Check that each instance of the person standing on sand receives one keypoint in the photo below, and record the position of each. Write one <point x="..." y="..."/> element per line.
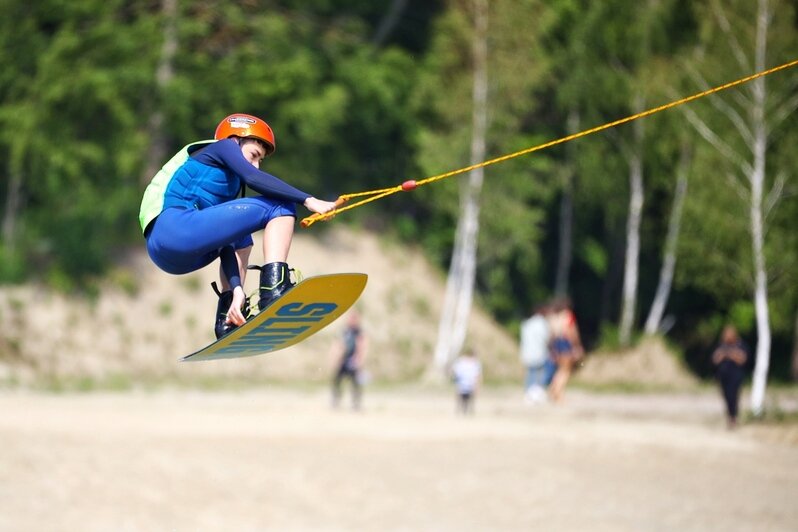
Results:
<point x="352" y="357"/>
<point x="535" y="335"/>
<point x="566" y="346"/>
<point x="729" y="360"/>
<point x="467" y="377"/>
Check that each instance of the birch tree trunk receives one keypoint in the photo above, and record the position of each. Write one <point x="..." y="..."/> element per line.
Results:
<point x="753" y="128"/>
<point x="565" y="251"/>
<point x="462" y="270"/>
<point x="631" y="262"/>
<point x="671" y="240"/>
<point x="757" y="181"/>
<point x="157" y="150"/>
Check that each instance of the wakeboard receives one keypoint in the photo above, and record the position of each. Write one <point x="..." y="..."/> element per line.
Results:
<point x="301" y="312"/>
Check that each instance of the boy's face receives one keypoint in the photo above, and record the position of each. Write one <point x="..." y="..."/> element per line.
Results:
<point x="254" y="151"/>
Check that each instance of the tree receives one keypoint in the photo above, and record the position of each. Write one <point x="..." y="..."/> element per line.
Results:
<point x="566" y="213"/>
<point x="74" y="114"/>
<point x="20" y="44"/>
<point x="620" y="49"/>
<point x="462" y="270"/>
<point x="752" y="117"/>
<point x="633" y="221"/>
<point x="158" y="149"/>
<point x="671" y="243"/>
<point x="638" y="70"/>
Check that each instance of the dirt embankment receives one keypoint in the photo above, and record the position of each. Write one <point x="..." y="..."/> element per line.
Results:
<point x="144" y="320"/>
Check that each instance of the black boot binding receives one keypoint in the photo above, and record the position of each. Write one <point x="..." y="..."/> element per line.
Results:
<point x="275" y="280"/>
<point x="223" y="327"/>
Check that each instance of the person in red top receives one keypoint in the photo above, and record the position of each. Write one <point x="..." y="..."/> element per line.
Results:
<point x="565" y="344"/>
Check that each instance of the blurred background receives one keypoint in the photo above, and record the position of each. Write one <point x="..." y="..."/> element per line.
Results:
<point x="660" y="232"/>
<point x="96" y="96"/>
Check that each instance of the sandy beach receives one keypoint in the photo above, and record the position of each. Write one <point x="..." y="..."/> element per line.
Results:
<point x="282" y="459"/>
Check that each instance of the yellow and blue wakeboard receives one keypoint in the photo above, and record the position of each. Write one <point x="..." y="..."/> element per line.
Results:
<point x="301" y="312"/>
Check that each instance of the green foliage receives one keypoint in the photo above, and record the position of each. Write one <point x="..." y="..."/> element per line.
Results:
<point x="69" y="120"/>
<point x="594" y="255"/>
<point x="12" y="267"/>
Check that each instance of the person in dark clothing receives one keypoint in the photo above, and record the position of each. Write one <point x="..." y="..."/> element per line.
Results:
<point x="352" y="355"/>
<point x="729" y="360"/>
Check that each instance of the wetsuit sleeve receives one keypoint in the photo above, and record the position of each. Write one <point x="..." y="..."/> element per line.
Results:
<point x="230" y="266"/>
<point x="227" y="153"/>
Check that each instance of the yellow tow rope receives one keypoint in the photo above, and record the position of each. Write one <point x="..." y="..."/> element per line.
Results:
<point x="374" y="195"/>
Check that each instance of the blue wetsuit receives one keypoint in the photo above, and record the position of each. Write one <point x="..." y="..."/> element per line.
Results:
<point x="203" y="219"/>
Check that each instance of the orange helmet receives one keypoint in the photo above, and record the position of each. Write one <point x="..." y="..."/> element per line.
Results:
<point x="241" y="125"/>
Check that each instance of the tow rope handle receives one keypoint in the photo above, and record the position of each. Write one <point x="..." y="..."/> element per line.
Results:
<point x="315" y="217"/>
<point x="373" y="195"/>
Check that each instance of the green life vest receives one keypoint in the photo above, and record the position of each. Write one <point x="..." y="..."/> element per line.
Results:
<point x="152" y="202"/>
